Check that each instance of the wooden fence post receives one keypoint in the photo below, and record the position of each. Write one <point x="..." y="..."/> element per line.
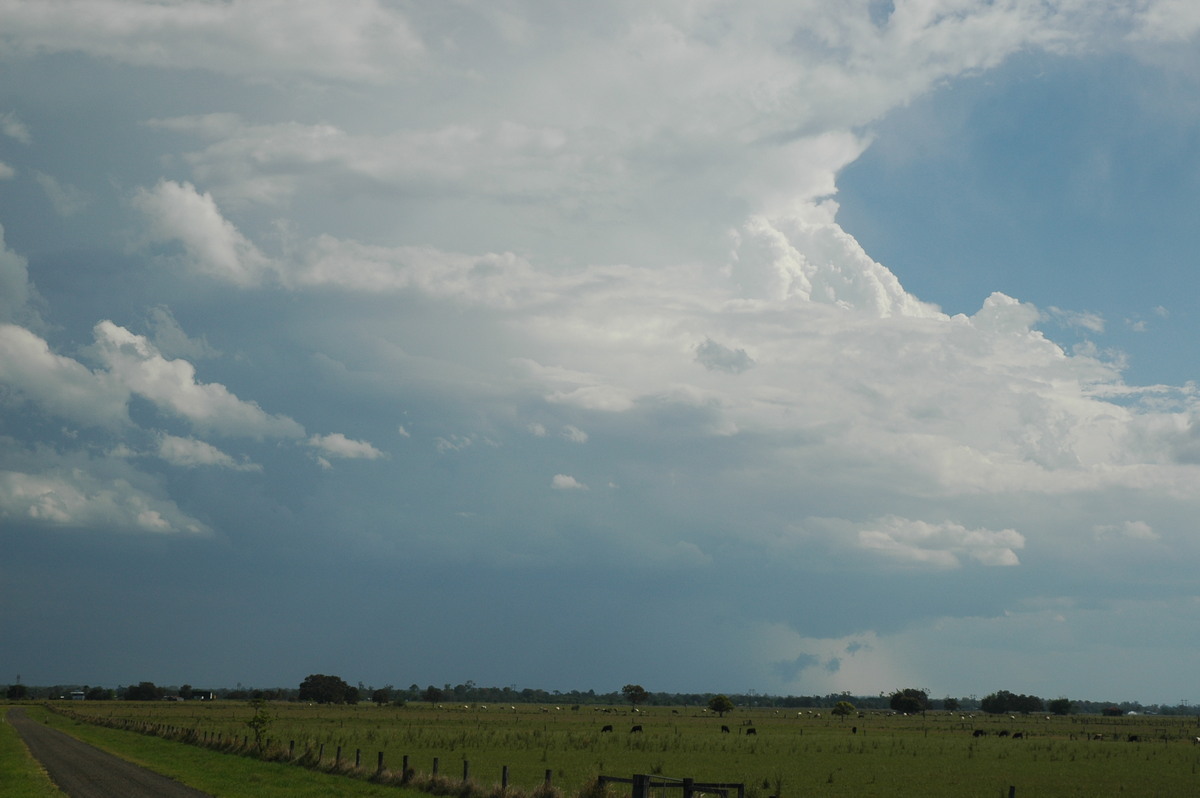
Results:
<point x="379" y="768"/>
<point x="504" y="778"/>
<point x="435" y="766"/>
<point x="466" y="770"/>
<point x="547" y="778"/>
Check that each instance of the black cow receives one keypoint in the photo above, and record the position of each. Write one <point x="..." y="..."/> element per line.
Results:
<point x="637" y="729"/>
<point x="1018" y="735"/>
<point x="605" y="729"/>
<point x="724" y="730"/>
<point x="752" y="730"/>
<point x="1002" y="733"/>
<point x="979" y="733"/>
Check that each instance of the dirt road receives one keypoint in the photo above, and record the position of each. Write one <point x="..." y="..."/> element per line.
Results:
<point x="84" y="771"/>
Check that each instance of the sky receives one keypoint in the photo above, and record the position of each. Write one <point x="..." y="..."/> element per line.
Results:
<point x="796" y="347"/>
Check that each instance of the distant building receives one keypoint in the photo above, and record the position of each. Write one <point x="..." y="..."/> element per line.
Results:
<point x="78" y="695"/>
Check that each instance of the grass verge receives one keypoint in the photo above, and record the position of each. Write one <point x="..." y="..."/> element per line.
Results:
<point x="20" y="774"/>
<point x="223" y="775"/>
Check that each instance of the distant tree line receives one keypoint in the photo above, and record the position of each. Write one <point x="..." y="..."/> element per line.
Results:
<point x="324" y="688"/>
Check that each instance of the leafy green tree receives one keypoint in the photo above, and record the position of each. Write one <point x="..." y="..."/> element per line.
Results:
<point x="144" y="691"/>
<point x="431" y="694"/>
<point x="635" y="694"/>
<point x="910" y="700"/>
<point x="950" y="704"/>
<point x="322" y="689"/>
<point x="720" y="704"/>
<point x="17" y="692"/>
<point x="1003" y="701"/>
<point x="260" y="722"/>
<point x="1059" y="706"/>
<point x="843" y="708"/>
<point x="381" y="696"/>
<point x="98" y="694"/>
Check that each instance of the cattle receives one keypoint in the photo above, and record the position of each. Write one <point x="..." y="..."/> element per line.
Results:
<point x="604" y="729"/>
<point x="1002" y="733"/>
<point x="636" y="730"/>
<point x="979" y="733"/>
<point x="724" y="730"/>
<point x="1133" y="738"/>
<point x="751" y="730"/>
<point x="1018" y="735"/>
<point x="854" y="730"/>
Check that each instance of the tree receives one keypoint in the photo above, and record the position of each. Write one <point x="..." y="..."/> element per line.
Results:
<point x="381" y="696"/>
<point x="720" y="704"/>
<point x="950" y="704"/>
<point x="98" y="694"/>
<point x="260" y="722"/>
<point x="1003" y="701"/>
<point x="910" y="701"/>
<point x="322" y="689"/>
<point x="635" y="694"/>
<point x="17" y="692"/>
<point x="431" y="694"/>
<point x="144" y="691"/>
<point x="1059" y="706"/>
<point x="843" y="708"/>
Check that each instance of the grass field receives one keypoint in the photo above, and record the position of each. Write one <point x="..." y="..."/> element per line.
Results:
<point x="791" y="755"/>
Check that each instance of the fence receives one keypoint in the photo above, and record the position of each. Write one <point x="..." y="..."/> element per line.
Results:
<point x="644" y="786"/>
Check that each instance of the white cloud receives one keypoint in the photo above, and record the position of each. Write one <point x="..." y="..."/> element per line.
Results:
<point x="350" y="39"/>
<point x="941" y="545"/>
<point x="574" y="434"/>
<point x="58" y="384"/>
<point x="454" y="443"/>
<point x="170" y="339"/>
<point x="338" y="445"/>
<point x="171" y="385"/>
<point x="6" y="171"/>
<point x="77" y="498"/>
<point x="1132" y="530"/>
<point x="566" y="482"/>
<point x="1091" y="322"/>
<point x="191" y="453"/>
<point x="15" y="289"/>
<point x="212" y="246"/>
<point x="66" y="199"/>
<point x="14" y="128"/>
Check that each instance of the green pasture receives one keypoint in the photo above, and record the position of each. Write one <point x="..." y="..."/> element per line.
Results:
<point x="791" y="755"/>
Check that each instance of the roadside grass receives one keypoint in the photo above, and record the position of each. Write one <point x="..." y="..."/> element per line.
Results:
<point x="223" y="775"/>
<point x="792" y="755"/>
<point x="20" y="774"/>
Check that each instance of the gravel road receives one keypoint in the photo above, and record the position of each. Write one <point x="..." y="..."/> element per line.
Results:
<point x="84" y="771"/>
